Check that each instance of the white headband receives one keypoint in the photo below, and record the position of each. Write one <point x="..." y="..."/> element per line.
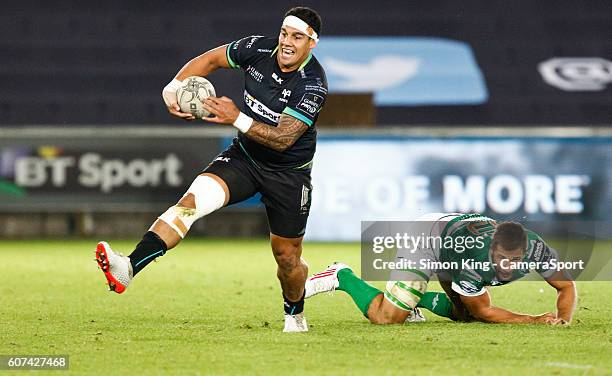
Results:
<point x="302" y="26"/>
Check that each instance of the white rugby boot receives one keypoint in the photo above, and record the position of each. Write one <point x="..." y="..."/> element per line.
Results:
<point x="415" y="316"/>
<point x="116" y="268"/>
<point x="295" y="323"/>
<point x="325" y="281"/>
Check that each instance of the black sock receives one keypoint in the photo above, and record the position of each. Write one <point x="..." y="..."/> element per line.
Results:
<point x="293" y="308"/>
<point x="150" y="247"/>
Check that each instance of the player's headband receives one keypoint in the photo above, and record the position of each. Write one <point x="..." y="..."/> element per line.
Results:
<point x="302" y="26"/>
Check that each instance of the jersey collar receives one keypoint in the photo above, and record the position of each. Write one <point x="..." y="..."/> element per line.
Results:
<point x="305" y="61"/>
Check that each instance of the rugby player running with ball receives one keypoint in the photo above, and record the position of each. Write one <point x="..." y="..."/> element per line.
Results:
<point x="285" y="88"/>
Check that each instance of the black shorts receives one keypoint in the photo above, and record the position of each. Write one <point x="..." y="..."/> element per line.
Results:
<point x="285" y="194"/>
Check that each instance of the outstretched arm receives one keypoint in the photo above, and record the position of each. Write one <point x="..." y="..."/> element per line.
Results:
<point x="202" y="66"/>
<point x="279" y="138"/>
<point x="481" y="308"/>
<point x="566" y="295"/>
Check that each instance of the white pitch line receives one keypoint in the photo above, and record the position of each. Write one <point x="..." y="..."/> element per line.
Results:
<point x="568" y="365"/>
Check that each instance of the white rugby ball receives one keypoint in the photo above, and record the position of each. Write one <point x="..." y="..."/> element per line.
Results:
<point x="191" y="93"/>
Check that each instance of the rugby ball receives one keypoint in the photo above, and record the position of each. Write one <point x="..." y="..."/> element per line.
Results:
<point x="191" y="93"/>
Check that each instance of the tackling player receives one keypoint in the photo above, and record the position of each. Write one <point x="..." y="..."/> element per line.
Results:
<point x="285" y="88"/>
<point x="465" y="298"/>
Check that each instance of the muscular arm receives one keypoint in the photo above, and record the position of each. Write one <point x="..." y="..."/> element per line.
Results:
<point x="566" y="295"/>
<point x="481" y="308"/>
<point x="281" y="137"/>
<point x="204" y="64"/>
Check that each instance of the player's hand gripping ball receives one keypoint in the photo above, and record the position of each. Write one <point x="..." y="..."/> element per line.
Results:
<point x="191" y="93"/>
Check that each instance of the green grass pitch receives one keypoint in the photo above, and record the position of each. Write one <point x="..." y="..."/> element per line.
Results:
<point x="214" y="307"/>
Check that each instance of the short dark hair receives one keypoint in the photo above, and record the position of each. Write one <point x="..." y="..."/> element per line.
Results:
<point x="510" y="236"/>
<point x="308" y="15"/>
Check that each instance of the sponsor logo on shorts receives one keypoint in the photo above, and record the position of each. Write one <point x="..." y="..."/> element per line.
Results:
<point x="304" y="200"/>
<point x="305" y="191"/>
<point x="259" y="108"/>
<point x="311" y="103"/>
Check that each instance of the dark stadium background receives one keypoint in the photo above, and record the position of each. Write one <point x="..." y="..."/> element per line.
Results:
<point x="104" y="62"/>
<point x="91" y="73"/>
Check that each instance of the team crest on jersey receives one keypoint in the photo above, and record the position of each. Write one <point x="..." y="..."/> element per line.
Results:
<point x="286" y="93"/>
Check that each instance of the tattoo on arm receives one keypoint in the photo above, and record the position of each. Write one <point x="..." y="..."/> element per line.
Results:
<point x="281" y="137"/>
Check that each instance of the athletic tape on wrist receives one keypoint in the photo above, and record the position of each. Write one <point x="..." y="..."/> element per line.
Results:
<point x="169" y="92"/>
<point x="173" y="85"/>
<point x="243" y="122"/>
